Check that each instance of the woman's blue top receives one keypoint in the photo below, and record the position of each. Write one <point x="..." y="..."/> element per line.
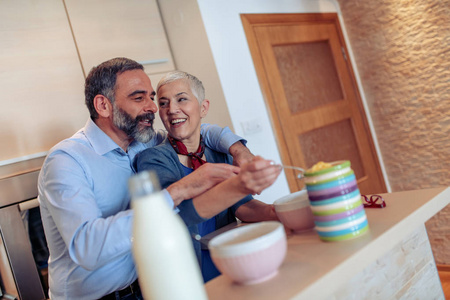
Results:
<point x="164" y="161"/>
<point x="209" y="270"/>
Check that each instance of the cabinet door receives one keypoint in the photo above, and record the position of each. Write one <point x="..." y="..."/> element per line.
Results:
<point x="104" y="29"/>
<point x="41" y="80"/>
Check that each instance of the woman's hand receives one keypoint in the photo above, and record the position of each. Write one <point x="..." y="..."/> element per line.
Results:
<point x="257" y="175"/>
<point x="252" y="178"/>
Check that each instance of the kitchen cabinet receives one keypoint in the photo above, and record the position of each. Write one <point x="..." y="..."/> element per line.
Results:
<point x="104" y="29"/>
<point x="41" y="80"/>
<point x="46" y="50"/>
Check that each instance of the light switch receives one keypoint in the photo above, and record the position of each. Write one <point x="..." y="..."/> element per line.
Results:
<point x="252" y="126"/>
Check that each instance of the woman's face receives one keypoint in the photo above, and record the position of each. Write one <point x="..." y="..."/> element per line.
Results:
<point x="180" y="112"/>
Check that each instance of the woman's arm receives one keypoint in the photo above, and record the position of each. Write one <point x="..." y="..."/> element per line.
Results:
<point x="253" y="178"/>
<point x="256" y="211"/>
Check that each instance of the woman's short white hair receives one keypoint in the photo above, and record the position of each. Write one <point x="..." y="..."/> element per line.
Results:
<point x="195" y="84"/>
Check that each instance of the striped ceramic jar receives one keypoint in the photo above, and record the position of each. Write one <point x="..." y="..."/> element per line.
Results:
<point x="336" y="202"/>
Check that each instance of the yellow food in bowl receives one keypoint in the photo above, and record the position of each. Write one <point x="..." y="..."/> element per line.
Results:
<point x="320" y="166"/>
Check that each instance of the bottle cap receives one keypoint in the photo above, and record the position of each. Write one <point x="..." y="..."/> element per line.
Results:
<point x="143" y="183"/>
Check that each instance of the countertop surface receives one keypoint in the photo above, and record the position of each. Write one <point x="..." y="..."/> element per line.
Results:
<point x="312" y="268"/>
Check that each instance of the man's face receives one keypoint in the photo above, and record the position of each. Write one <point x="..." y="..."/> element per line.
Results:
<point x="134" y="108"/>
<point x="132" y="127"/>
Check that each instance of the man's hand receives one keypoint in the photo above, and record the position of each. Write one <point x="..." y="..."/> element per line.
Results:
<point x="198" y="182"/>
<point x="241" y="154"/>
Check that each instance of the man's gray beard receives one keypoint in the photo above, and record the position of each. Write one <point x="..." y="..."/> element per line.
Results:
<point x="130" y="126"/>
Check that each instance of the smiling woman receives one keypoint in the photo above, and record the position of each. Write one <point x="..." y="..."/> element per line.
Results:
<point x="182" y="106"/>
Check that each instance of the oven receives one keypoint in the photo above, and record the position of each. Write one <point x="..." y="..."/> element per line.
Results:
<point x="21" y="276"/>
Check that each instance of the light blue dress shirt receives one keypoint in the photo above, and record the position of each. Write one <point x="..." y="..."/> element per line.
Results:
<point x="84" y="202"/>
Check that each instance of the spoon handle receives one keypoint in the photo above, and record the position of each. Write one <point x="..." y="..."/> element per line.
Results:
<point x="294" y="168"/>
<point x="302" y="171"/>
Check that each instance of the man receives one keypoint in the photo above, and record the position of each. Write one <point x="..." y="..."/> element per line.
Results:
<point x="83" y="184"/>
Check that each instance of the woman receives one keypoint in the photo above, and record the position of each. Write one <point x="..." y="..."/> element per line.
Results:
<point x="182" y="105"/>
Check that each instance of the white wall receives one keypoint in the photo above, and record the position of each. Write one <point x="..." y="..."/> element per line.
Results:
<point x="237" y="73"/>
<point x="191" y="53"/>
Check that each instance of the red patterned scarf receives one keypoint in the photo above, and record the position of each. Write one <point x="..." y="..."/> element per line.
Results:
<point x="195" y="157"/>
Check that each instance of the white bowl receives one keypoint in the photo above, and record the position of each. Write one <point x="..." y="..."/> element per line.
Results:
<point x="294" y="211"/>
<point x="250" y="254"/>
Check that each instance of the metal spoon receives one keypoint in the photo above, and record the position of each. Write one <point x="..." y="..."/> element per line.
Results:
<point x="300" y="175"/>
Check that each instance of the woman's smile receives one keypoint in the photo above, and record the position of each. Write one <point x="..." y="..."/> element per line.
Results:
<point x="181" y="112"/>
<point x="175" y="122"/>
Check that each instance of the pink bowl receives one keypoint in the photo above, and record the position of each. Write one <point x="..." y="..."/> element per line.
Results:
<point x="294" y="211"/>
<point x="250" y="254"/>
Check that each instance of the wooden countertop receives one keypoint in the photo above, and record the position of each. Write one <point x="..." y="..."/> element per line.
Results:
<point x="313" y="268"/>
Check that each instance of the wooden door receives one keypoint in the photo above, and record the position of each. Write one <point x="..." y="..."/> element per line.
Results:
<point x="309" y="87"/>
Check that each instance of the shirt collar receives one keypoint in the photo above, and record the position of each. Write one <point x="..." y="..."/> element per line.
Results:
<point x="99" y="140"/>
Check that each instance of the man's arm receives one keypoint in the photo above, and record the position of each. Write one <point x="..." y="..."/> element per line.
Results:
<point x="223" y="140"/>
<point x="163" y="160"/>
<point x="253" y="178"/>
<point x="241" y="154"/>
<point x="198" y="182"/>
<point x="67" y="199"/>
<point x="219" y="139"/>
<point x="194" y="184"/>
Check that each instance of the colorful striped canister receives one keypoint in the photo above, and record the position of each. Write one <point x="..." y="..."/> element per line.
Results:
<point x="335" y="201"/>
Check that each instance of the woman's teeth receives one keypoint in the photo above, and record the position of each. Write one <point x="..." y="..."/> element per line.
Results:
<point x="176" y="121"/>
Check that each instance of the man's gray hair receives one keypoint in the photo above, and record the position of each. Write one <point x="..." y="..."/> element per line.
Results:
<point x="101" y="80"/>
<point x="195" y="84"/>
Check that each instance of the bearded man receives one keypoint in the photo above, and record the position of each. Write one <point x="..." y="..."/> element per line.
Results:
<point x="83" y="194"/>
